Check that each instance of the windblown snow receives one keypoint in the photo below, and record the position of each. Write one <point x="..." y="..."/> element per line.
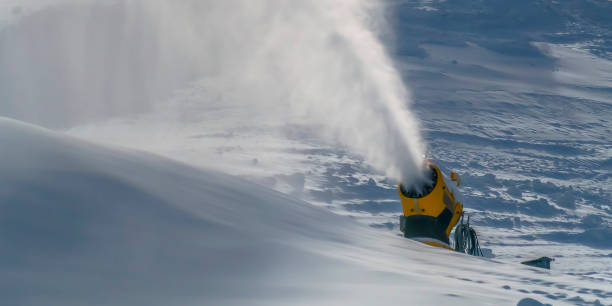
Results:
<point x="305" y="114"/>
<point x="83" y="224"/>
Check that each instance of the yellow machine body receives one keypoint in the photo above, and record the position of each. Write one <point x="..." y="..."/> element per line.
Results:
<point x="430" y="211"/>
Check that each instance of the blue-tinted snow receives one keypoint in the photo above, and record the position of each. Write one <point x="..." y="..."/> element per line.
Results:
<point x="517" y="97"/>
<point x="520" y="106"/>
<point x="514" y="95"/>
<point x="84" y="224"/>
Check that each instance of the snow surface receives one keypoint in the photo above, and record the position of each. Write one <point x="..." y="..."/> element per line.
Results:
<point x="513" y="95"/>
<point x="83" y="224"/>
<point x="516" y="97"/>
<point x="535" y="163"/>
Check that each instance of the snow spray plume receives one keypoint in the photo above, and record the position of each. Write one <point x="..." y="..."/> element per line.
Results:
<point x="308" y="62"/>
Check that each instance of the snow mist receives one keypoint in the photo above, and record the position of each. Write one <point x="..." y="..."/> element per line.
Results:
<point x="317" y="63"/>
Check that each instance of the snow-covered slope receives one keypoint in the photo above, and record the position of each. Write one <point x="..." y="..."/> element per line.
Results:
<point x="516" y="96"/>
<point x="519" y="105"/>
<point x="81" y="224"/>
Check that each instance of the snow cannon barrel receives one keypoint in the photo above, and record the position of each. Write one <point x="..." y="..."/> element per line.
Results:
<point x="431" y="208"/>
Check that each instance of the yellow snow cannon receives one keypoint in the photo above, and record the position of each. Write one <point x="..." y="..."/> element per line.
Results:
<point x="431" y="208"/>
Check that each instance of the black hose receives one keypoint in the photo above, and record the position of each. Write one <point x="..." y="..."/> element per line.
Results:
<point x="466" y="239"/>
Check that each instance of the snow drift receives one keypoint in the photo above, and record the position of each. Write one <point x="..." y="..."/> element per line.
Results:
<point x="83" y="224"/>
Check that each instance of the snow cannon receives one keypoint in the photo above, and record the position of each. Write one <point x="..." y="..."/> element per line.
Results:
<point x="431" y="208"/>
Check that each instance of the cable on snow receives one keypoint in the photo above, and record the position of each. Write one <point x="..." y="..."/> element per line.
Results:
<point x="466" y="239"/>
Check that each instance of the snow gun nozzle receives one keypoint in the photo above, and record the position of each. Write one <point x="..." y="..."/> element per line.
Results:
<point x="420" y="186"/>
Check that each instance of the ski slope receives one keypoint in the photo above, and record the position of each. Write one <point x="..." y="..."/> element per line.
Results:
<point x="516" y="96"/>
<point x="84" y="224"/>
<point x="513" y="95"/>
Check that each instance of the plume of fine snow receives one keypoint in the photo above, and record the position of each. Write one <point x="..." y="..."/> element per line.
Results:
<point x="317" y="63"/>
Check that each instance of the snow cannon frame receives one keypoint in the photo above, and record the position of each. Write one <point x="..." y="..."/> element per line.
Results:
<point x="431" y="212"/>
